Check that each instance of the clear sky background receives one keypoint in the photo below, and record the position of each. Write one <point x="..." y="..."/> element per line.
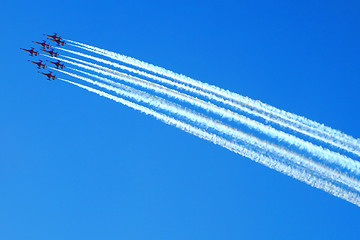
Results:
<point x="74" y="165"/>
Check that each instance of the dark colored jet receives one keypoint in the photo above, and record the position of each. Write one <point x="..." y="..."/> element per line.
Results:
<point x="58" y="41"/>
<point x="31" y="51"/>
<point x="51" y="52"/>
<point x="43" y="44"/>
<point x="49" y="75"/>
<point x="57" y="64"/>
<point x="39" y="64"/>
<point x="54" y="37"/>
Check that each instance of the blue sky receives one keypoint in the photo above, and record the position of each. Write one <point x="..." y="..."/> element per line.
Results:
<point x="77" y="166"/>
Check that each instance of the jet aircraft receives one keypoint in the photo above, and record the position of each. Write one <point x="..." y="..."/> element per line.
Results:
<point x="54" y="37"/>
<point x="39" y="64"/>
<point x="31" y="51"/>
<point x="49" y="75"/>
<point x="51" y="52"/>
<point x="58" y="41"/>
<point x="43" y="44"/>
<point x="57" y="64"/>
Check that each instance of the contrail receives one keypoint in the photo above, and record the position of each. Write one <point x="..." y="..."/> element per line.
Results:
<point x="303" y="123"/>
<point x="248" y="140"/>
<point x="345" y="147"/>
<point x="210" y="96"/>
<point x="163" y="104"/>
<point x="317" y="151"/>
<point x="312" y="178"/>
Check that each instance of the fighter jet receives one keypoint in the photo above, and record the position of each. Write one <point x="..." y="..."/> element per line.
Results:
<point x="39" y="64"/>
<point x="58" y="41"/>
<point x="43" y="44"/>
<point x="49" y="75"/>
<point x="31" y="51"/>
<point x="51" y="52"/>
<point x="55" y="36"/>
<point x="57" y="64"/>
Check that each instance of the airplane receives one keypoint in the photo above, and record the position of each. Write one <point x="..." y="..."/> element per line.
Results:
<point x="54" y="37"/>
<point x="51" y="52"/>
<point x="40" y="64"/>
<point x="57" y="64"/>
<point x="43" y="44"/>
<point x="31" y="51"/>
<point x="58" y="41"/>
<point x="49" y="75"/>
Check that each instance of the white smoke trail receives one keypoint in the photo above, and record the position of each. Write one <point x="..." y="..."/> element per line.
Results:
<point x="210" y="96"/>
<point x="317" y="151"/>
<point x="314" y="179"/>
<point x="301" y="122"/>
<point x="245" y="138"/>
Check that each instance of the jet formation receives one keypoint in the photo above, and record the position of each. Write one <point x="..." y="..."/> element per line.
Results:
<point x="46" y="48"/>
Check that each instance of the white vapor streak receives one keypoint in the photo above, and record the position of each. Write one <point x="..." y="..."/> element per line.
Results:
<point x="310" y="178"/>
<point x="317" y="151"/>
<point x="248" y="139"/>
<point x="336" y="137"/>
<point x="210" y="96"/>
